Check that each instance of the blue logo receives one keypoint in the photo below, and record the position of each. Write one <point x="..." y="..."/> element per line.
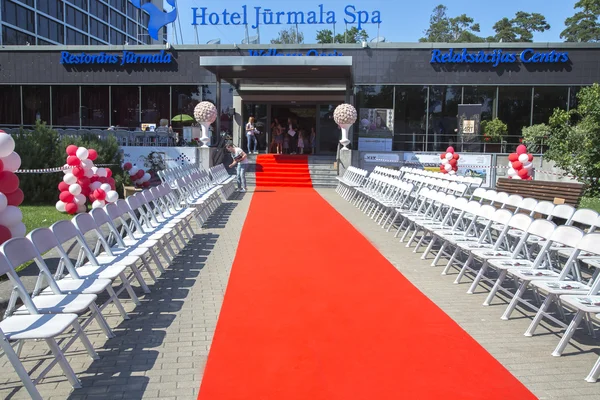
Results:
<point x="158" y="18"/>
<point x="498" y="56"/>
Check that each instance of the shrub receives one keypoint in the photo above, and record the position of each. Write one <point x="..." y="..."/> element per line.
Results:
<point x="494" y="130"/>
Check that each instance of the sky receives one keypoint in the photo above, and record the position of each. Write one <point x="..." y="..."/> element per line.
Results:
<point x="401" y="20"/>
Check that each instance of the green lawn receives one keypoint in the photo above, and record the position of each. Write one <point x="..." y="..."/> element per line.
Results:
<point x="590" y="202"/>
<point x="41" y="216"/>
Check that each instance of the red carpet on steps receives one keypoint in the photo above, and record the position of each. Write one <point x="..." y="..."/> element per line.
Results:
<point x="282" y="170"/>
<point x="313" y="311"/>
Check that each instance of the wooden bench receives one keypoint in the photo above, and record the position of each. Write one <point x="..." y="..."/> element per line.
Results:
<point x="554" y="192"/>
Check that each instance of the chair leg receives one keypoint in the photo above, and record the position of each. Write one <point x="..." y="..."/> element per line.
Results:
<point x="79" y="333"/>
<point x="101" y="321"/>
<point x="495" y="288"/>
<point x="450" y="261"/>
<point x="540" y="314"/>
<point x="429" y="247"/>
<point x="20" y="370"/>
<point x="129" y="289"/>
<point x="514" y="301"/>
<point x="439" y="254"/>
<point x="594" y="373"/>
<point x="463" y="270"/>
<point x="568" y="334"/>
<point x="64" y="364"/>
<point x="117" y="302"/>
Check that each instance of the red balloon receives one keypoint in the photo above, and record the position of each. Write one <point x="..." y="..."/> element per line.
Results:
<point x="102" y="179"/>
<point x="146" y="184"/>
<point x="94" y="178"/>
<point x="85" y="190"/>
<point x="71" y="208"/>
<point x="442" y="156"/>
<point x="108" y="173"/>
<point x="62" y="186"/>
<point x="530" y="157"/>
<point x="127" y="166"/>
<point x="92" y="154"/>
<point x="1" y="166"/>
<point x="9" y="182"/>
<point x="140" y="174"/>
<point x="91" y="197"/>
<point x="73" y="161"/>
<point x="521" y="149"/>
<point x="513" y="157"/>
<point x="455" y="168"/>
<point x="99" y="194"/>
<point x="4" y="234"/>
<point x="442" y="168"/>
<point x="523" y="173"/>
<point x="78" y="171"/>
<point x="66" y="197"/>
<point x="450" y="149"/>
<point x="452" y="162"/>
<point x="517" y="165"/>
<point x="456" y="156"/>
<point x="72" y="150"/>
<point x="83" y="182"/>
<point x="15" y="198"/>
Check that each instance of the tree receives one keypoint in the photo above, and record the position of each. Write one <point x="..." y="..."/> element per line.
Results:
<point x="574" y="142"/>
<point x="583" y="26"/>
<point x="352" y="35"/>
<point x="289" y="36"/>
<point x="443" y="29"/>
<point x="520" y="28"/>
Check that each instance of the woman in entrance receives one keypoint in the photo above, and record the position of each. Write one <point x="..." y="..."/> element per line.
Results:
<point x="277" y="136"/>
<point x="313" y="140"/>
<point x="301" y="140"/>
<point x="251" y="136"/>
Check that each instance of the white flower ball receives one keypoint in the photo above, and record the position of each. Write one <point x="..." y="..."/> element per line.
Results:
<point x="345" y="114"/>
<point x="205" y="111"/>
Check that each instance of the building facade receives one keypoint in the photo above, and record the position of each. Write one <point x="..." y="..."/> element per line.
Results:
<point x="74" y="22"/>
<point x="410" y="97"/>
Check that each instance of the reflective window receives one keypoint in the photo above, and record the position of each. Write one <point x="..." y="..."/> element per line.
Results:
<point x="116" y="37"/>
<point x="484" y="95"/>
<point x="155" y="104"/>
<point x="10" y="105"/>
<point x="76" y="38"/>
<point x="119" y="5"/>
<point x="375" y="106"/>
<point x="54" y="8"/>
<point x="443" y="116"/>
<point x="95" y="42"/>
<point x="99" y="30"/>
<point x="77" y="19"/>
<point x="12" y="37"/>
<point x="36" y="104"/>
<point x="410" y="117"/>
<point x="132" y="11"/>
<point x="546" y="99"/>
<point x="183" y="101"/>
<point x="99" y="10"/>
<point x="19" y="16"/>
<point x="94" y="106"/>
<point x="50" y="29"/>
<point x="226" y="106"/>
<point x="125" y="106"/>
<point x="65" y="106"/>
<point x="132" y="28"/>
<point x="30" y="3"/>
<point x="79" y="3"/>
<point x="328" y="134"/>
<point x="514" y="109"/>
<point x="117" y="20"/>
<point x="573" y="97"/>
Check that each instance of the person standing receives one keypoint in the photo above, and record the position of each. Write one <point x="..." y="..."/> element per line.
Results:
<point x="313" y="140"/>
<point x="251" y="136"/>
<point x="240" y="161"/>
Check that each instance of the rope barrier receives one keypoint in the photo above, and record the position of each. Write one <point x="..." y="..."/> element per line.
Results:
<point x="53" y="170"/>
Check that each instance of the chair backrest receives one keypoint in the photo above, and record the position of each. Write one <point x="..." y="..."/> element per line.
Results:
<point x="528" y="204"/>
<point x="486" y="211"/>
<point x="514" y="200"/>
<point x="520" y="222"/>
<point x="590" y="243"/>
<point x="544" y="208"/>
<point x="43" y="239"/>
<point x="502" y="216"/>
<point x="584" y="216"/>
<point x="567" y="235"/>
<point x="542" y="228"/>
<point x="18" y="251"/>
<point x="563" y="211"/>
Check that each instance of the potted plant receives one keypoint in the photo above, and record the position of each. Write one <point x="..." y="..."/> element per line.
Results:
<point x="493" y="132"/>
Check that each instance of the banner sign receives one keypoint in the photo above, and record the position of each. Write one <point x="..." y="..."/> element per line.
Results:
<point x="497" y="57"/>
<point x="469" y="164"/>
<point x="310" y="53"/>
<point x="158" y="158"/>
<point x="382" y="157"/>
<point x="376" y="130"/>
<point x="127" y="57"/>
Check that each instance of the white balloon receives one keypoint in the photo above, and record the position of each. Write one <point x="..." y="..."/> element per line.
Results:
<point x="133" y="170"/>
<point x="444" y="161"/>
<point x="528" y="165"/>
<point x="106" y="187"/>
<point x="87" y="164"/>
<point x="511" y="172"/>
<point x="7" y="145"/>
<point x="112" y="196"/>
<point x="98" y="204"/>
<point x="453" y="172"/>
<point x="524" y="158"/>
<point x="95" y="170"/>
<point x="146" y="177"/>
<point x="18" y="231"/>
<point x="82" y="153"/>
<point x="3" y="201"/>
<point x="101" y="172"/>
<point x="75" y="189"/>
<point x="449" y="156"/>
<point x="88" y="173"/>
<point x="95" y="185"/>
<point x="70" y="179"/>
<point x="79" y="199"/>
<point x="60" y="206"/>
<point x="448" y="167"/>
<point x="67" y="169"/>
<point x="12" y="162"/>
<point x="81" y="208"/>
<point x="516" y="177"/>
<point x="11" y="216"/>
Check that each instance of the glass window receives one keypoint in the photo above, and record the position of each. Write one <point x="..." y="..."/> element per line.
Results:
<point x="117" y="20"/>
<point x="30" y="3"/>
<point x="484" y="95"/>
<point x="376" y="96"/>
<point x="76" y="38"/>
<point x="375" y="105"/>
<point x="410" y="117"/>
<point x="573" y="97"/>
<point x="94" y="106"/>
<point x="328" y="134"/>
<point x="183" y="101"/>
<point x="54" y="8"/>
<point x="77" y="19"/>
<point x="10" y="105"/>
<point x="51" y="29"/>
<point x="443" y="116"/>
<point x="95" y="42"/>
<point x="125" y="106"/>
<point x="19" y="16"/>
<point x="36" y="104"/>
<point x="546" y="99"/>
<point x="116" y="37"/>
<point x="155" y="104"/>
<point x="132" y="11"/>
<point x="12" y="37"/>
<point x="226" y="105"/>
<point x="119" y="5"/>
<point x="65" y="106"/>
<point x="99" y="10"/>
<point x="132" y="28"/>
<point x="98" y="29"/>
<point x="514" y="109"/>
<point x="80" y="3"/>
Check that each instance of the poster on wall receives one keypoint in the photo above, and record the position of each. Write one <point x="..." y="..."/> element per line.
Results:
<point x="475" y="165"/>
<point x="469" y="126"/>
<point x="376" y="129"/>
<point x="158" y="158"/>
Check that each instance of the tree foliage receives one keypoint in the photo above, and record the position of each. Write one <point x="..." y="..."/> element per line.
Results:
<point x="289" y="36"/>
<point x="520" y="28"/>
<point x="445" y="29"/>
<point x="352" y="35"/>
<point x="574" y="140"/>
<point x="583" y="26"/>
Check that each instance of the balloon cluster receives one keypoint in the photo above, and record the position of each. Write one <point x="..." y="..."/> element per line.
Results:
<point x="449" y="161"/>
<point x="520" y="164"/>
<point x="138" y="176"/>
<point x="84" y="181"/>
<point x="11" y="218"/>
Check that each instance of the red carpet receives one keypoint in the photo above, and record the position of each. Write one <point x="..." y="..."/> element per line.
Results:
<point x="313" y="311"/>
<point x="281" y="170"/>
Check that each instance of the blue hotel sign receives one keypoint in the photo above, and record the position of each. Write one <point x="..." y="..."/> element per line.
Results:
<point x="275" y="53"/>
<point x="497" y="57"/>
<point x="126" y="58"/>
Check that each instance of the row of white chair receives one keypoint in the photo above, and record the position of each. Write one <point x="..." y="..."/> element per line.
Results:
<point x="500" y="232"/>
<point x="121" y="240"/>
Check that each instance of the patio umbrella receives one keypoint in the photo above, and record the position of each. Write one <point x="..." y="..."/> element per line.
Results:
<point x="182" y="118"/>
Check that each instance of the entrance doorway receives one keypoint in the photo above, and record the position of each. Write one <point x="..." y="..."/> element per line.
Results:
<point x="303" y="119"/>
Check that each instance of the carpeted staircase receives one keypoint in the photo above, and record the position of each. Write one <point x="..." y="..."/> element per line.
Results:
<point x="282" y="170"/>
